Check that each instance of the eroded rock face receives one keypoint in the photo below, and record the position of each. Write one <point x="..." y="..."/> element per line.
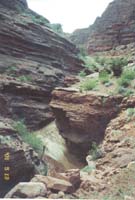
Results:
<point x="116" y="169"/>
<point x="33" y="60"/>
<point x="18" y="160"/>
<point x="115" y="27"/>
<point x="82" y="118"/>
<point x="25" y="101"/>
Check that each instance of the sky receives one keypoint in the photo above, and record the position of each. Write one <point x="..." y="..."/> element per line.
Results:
<point x="72" y="14"/>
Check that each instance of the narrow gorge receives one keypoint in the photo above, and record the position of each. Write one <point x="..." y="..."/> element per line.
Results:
<point x="67" y="105"/>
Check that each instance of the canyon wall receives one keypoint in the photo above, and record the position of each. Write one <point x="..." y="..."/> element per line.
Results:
<point x="114" y="28"/>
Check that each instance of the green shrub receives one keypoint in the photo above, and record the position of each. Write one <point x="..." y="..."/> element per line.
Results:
<point x="108" y="84"/>
<point x="57" y="28"/>
<point x="124" y="91"/>
<point x="104" y="77"/>
<point x="82" y="74"/>
<point x="28" y="137"/>
<point x="123" y="82"/>
<point x="91" y="63"/>
<point x="95" y="151"/>
<point x="89" y="84"/>
<point x="121" y="90"/>
<point x="117" y="65"/>
<point x="24" y="78"/>
<point x="11" y="68"/>
<point x="130" y="112"/>
<point x="127" y="76"/>
<point x="101" y="60"/>
<point x="87" y="169"/>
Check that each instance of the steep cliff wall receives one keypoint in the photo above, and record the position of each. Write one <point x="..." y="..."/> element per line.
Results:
<point x="32" y="56"/>
<point x="115" y="27"/>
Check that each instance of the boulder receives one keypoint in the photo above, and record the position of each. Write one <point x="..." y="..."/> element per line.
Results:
<point x="73" y="176"/>
<point x="27" y="190"/>
<point x="54" y="184"/>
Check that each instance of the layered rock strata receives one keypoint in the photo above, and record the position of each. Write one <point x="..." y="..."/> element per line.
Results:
<point x="34" y="56"/>
<point x="82" y="118"/>
<point x="114" y="28"/>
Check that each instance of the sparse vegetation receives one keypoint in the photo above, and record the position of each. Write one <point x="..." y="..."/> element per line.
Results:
<point x="95" y="151"/>
<point x="104" y="76"/>
<point x="126" y="78"/>
<point x="87" y="169"/>
<point x="113" y="73"/>
<point x="11" y="68"/>
<point x="117" y="64"/>
<point x="125" y="91"/>
<point x="39" y="20"/>
<point x="28" y="137"/>
<point x="24" y="78"/>
<point x="57" y="28"/>
<point x="130" y="112"/>
<point x="89" y="84"/>
<point x="82" y="74"/>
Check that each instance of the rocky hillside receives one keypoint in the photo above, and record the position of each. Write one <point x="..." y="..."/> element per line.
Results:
<point x="114" y="28"/>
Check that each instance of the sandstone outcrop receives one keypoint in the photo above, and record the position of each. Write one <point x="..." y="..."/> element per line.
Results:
<point x="114" y="28"/>
<point x="33" y="60"/>
<point x="82" y="118"/>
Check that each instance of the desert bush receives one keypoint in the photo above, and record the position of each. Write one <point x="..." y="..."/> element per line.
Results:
<point x="125" y="91"/>
<point x="91" y="63"/>
<point x="117" y="64"/>
<point x="89" y="84"/>
<point x="82" y="74"/>
<point x="95" y="151"/>
<point x="123" y="82"/>
<point x="104" y="77"/>
<point x="25" y="78"/>
<point x="127" y="76"/>
<point x="27" y="136"/>
<point x="130" y="112"/>
<point x="101" y="60"/>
